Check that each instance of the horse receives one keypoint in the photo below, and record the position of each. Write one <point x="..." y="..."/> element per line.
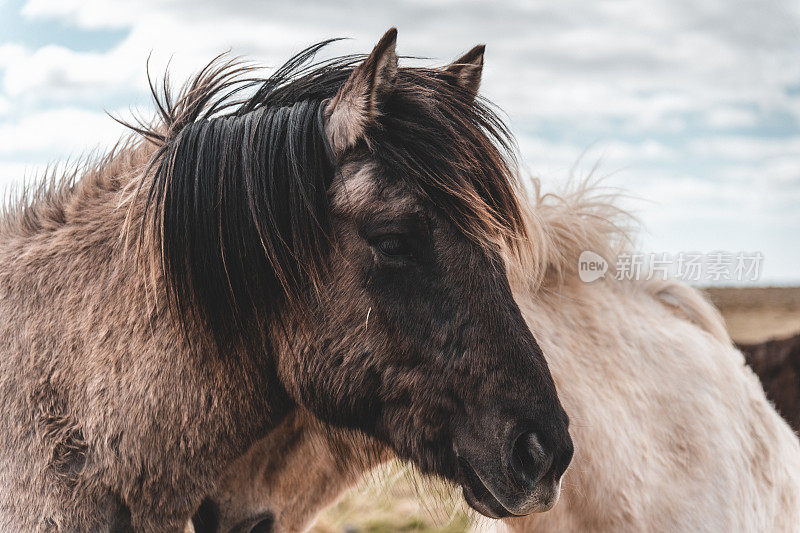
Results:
<point x="672" y="429"/>
<point x="261" y="487"/>
<point x="777" y="364"/>
<point x="329" y="238"/>
<point x="282" y="482"/>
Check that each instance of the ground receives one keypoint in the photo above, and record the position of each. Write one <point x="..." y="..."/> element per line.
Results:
<point x="759" y="314"/>
<point x="395" y="500"/>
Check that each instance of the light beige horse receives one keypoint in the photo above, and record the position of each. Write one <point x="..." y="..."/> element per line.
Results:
<point x="672" y="429"/>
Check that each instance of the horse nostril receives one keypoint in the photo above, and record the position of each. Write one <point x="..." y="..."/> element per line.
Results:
<point x="529" y="461"/>
<point x="263" y="526"/>
<point x="206" y="518"/>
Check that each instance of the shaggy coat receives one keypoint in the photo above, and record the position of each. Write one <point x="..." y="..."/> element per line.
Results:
<point x="261" y="487"/>
<point x="96" y="396"/>
<point x="673" y="431"/>
<point x="330" y="242"/>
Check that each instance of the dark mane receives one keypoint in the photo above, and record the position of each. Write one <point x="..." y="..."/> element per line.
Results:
<point x="238" y="201"/>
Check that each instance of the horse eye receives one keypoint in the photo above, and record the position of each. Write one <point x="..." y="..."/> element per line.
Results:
<point x="393" y="246"/>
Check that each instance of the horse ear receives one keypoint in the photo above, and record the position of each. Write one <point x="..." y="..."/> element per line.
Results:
<point x="467" y="69"/>
<point x="357" y="103"/>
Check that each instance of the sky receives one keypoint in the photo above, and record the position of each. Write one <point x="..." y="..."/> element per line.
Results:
<point x="692" y="109"/>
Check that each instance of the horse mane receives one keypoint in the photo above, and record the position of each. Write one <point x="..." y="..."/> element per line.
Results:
<point x="586" y="216"/>
<point x="46" y="200"/>
<point x="234" y="173"/>
<point x="561" y="225"/>
<point x="237" y="208"/>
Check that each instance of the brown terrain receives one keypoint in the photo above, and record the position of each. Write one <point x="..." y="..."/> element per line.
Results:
<point x="759" y="313"/>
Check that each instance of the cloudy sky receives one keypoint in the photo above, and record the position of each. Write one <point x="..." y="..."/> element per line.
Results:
<point x="692" y="107"/>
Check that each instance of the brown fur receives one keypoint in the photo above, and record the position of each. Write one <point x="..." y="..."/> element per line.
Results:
<point x="172" y="305"/>
<point x="777" y="364"/>
<point x="286" y="478"/>
<point x="96" y="397"/>
<point x="679" y="330"/>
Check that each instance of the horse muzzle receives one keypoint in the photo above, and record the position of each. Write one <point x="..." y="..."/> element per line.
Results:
<point x="523" y="478"/>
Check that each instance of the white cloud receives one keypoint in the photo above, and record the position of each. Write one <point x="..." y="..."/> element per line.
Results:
<point x="746" y="148"/>
<point x="17" y="172"/>
<point x="56" y="68"/>
<point x="730" y="117"/>
<point x="558" y="161"/>
<point x="87" y="13"/>
<point x="638" y="62"/>
<point x="58" y="133"/>
<point x="633" y="83"/>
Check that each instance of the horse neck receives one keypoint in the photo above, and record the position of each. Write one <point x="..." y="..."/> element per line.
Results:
<point x="86" y="322"/>
<point x="73" y="248"/>
<point x="326" y="461"/>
